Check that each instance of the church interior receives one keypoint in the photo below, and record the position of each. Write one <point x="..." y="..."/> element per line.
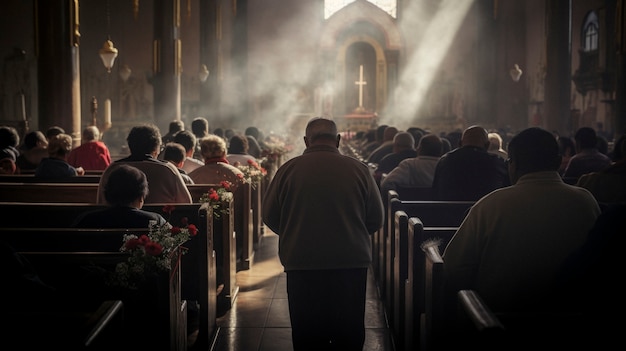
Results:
<point x="437" y="65"/>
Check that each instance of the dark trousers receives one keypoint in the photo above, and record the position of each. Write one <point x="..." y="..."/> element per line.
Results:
<point x="327" y="309"/>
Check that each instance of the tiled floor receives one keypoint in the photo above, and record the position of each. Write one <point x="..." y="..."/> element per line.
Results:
<point x="259" y="317"/>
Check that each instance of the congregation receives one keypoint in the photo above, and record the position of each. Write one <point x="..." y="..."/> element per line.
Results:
<point x="543" y="204"/>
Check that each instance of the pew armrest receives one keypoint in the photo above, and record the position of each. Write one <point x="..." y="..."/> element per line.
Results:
<point x="104" y="318"/>
<point x="478" y="312"/>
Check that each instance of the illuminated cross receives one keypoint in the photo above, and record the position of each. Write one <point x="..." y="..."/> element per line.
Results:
<point x="360" y="83"/>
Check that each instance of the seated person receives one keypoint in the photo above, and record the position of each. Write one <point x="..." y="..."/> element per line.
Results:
<point x="175" y="154"/>
<point x="92" y="154"/>
<point x="34" y="149"/>
<point x="403" y="148"/>
<point x="418" y="171"/>
<point x="510" y="259"/>
<point x="9" y="141"/>
<point x="167" y="185"/>
<point x="124" y="192"/>
<point x="188" y="141"/>
<point x="469" y="172"/>
<point x="587" y="158"/>
<point x="56" y="166"/>
<point x="216" y="167"/>
<point x="238" y="151"/>
<point x="609" y="184"/>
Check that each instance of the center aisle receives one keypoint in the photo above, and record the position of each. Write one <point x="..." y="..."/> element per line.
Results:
<point x="259" y="317"/>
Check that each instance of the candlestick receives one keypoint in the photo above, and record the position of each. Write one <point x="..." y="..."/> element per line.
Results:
<point x="23" y="101"/>
<point x="107" y="113"/>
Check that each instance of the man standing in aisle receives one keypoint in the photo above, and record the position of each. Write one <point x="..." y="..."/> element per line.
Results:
<point x="324" y="206"/>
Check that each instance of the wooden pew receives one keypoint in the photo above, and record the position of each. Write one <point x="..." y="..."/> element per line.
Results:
<point x="30" y="178"/>
<point x="381" y="243"/>
<point x="481" y="328"/>
<point x="200" y="260"/>
<point x="49" y="192"/>
<point x="410" y="279"/>
<point x="432" y="214"/>
<point x="158" y="308"/>
<point x="432" y="320"/>
<point x="243" y="220"/>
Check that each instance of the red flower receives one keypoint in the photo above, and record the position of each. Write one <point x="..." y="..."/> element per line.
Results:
<point x="175" y="230"/>
<point x="144" y="239"/>
<point x="213" y="195"/>
<point x="168" y="209"/>
<point x="153" y="248"/>
<point x="226" y="184"/>
<point x="193" y="230"/>
<point x="132" y="244"/>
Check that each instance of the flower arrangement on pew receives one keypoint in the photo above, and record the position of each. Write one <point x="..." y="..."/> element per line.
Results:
<point x="153" y="252"/>
<point x="253" y="172"/>
<point x="215" y="197"/>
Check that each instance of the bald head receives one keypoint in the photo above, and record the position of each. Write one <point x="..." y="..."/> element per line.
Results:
<point x="475" y="136"/>
<point x="321" y="130"/>
<point x="403" y="140"/>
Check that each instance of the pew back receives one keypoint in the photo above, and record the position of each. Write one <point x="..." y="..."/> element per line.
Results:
<point x="49" y="192"/>
<point x="78" y="275"/>
<point x="199" y="261"/>
<point x="413" y="305"/>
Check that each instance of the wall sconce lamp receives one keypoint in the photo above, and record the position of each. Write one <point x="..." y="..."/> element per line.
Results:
<point x="108" y="53"/>
<point x="515" y="73"/>
<point x="203" y="74"/>
<point x="125" y="72"/>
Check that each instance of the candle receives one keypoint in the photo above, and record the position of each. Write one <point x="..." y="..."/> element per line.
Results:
<point x="107" y="112"/>
<point x="23" y="101"/>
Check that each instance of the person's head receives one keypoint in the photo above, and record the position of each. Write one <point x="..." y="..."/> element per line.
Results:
<point x="495" y="141"/>
<point x="567" y="147"/>
<point x="176" y="126"/>
<point x="389" y="133"/>
<point x="321" y="131"/>
<point x="475" y="136"/>
<point x="126" y="186"/>
<point x="228" y="133"/>
<point x="532" y="150"/>
<point x="212" y="146"/>
<point x="60" y="146"/>
<point x="219" y="132"/>
<point x="417" y="134"/>
<point x="54" y="130"/>
<point x="446" y="145"/>
<point x="238" y="144"/>
<point x="252" y="131"/>
<point x="403" y="141"/>
<point x="174" y="153"/>
<point x="430" y="145"/>
<point x="91" y="133"/>
<point x="187" y="140"/>
<point x="7" y="165"/>
<point x="9" y="137"/>
<point x="200" y="127"/>
<point x="144" y="139"/>
<point x="585" y="138"/>
<point x="380" y="132"/>
<point x="35" y="139"/>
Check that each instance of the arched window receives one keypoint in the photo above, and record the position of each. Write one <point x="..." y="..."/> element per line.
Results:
<point x="332" y="6"/>
<point x="590" y="32"/>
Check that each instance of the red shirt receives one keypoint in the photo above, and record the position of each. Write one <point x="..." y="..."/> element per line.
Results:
<point x="91" y="156"/>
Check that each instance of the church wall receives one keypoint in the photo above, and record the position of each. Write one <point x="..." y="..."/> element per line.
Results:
<point x="283" y="62"/>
